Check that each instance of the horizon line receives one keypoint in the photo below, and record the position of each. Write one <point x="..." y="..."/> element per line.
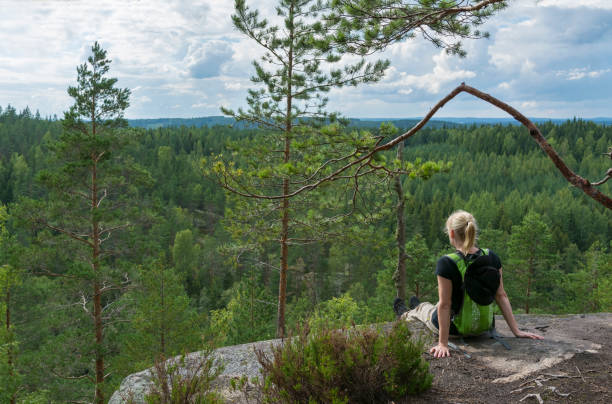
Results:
<point x="400" y="118"/>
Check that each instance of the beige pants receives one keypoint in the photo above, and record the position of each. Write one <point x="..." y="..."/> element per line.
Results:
<point x="423" y="312"/>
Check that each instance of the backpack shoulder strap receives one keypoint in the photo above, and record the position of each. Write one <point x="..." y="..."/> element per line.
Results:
<point x="459" y="260"/>
<point x="454" y="256"/>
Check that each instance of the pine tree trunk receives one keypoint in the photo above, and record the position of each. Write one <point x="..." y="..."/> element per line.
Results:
<point x="98" y="331"/>
<point x="9" y="351"/>
<point x="282" y="286"/>
<point x="97" y="295"/>
<point x="97" y="301"/>
<point x="530" y="276"/>
<point x="252" y="301"/>
<point x="400" y="274"/>
<point x="162" y="342"/>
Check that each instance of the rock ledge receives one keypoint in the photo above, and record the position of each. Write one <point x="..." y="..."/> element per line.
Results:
<point x="565" y="336"/>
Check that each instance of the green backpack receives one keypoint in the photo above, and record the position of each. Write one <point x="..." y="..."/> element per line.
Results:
<point x="480" y="283"/>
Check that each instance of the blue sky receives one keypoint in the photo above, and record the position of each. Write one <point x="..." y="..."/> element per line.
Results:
<point x="183" y="58"/>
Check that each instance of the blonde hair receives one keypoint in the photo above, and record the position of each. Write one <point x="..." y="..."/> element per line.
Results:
<point x="465" y="228"/>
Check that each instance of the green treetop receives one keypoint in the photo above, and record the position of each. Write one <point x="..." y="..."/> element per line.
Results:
<point x="366" y="26"/>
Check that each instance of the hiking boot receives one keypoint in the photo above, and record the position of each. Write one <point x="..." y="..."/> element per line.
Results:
<point x="399" y="307"/>
<point x="414" y="302"/>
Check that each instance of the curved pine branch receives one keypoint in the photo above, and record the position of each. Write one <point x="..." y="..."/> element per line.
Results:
<point x="579" y="182"/>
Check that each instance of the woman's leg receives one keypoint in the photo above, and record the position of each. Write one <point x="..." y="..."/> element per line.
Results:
<point x="423" y="312"/>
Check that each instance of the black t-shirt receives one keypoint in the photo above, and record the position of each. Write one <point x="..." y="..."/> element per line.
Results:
<point x="446" y="268"/>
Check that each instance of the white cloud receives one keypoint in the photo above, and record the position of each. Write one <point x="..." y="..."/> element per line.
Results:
<point x="444" y="72"/>
<point x="605" y="4"/>
<point x="529" y="104"/>
<point x="179" y="88"/>
<point x="233" y="86"/>
<point x="206" y="60"/>
<point x="203" y="105"/>
<point x="580" y="73"/>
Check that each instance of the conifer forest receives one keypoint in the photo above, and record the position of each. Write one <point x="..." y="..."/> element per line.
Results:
<point x="188" y="266"/>
<point x="119" y="243"/>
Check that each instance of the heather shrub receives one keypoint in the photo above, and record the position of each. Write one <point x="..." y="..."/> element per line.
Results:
<point x="176" y="382"/>
<point x="344" y="366"/>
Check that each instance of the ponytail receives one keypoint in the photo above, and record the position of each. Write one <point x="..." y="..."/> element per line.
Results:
<point x="470" y="236"/>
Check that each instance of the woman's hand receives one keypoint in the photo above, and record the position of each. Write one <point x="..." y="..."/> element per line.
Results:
<point x="440" y="351"/>
<point x="523" y="334"/>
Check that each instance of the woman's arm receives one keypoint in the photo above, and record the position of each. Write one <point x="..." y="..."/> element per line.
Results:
<point x="445" y="291"/>
<point x="504" y="304"/>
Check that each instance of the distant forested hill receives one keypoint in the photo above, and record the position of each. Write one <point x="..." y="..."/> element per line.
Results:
<point x="362" y="123"/>
<point x="210" y="121"/>
<point x="512" y="121"/>
<point x="175" y="122"/>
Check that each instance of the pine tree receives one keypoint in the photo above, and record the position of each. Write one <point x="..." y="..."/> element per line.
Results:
<point x="530" y="257"/>
<point x="162" y="324"/>
<point x="420" y="262"/>
<point x="424" y="171"/>
<point x="588" y="284"/>
<point x="10" y="277"/>
<point x="90" y="200"/>
<point x="299" y="66"/>
<point x="248" y="315"/>
<point x="185" y="256"/>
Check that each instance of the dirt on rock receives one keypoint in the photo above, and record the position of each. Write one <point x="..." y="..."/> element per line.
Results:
<point x="573" y="364"/>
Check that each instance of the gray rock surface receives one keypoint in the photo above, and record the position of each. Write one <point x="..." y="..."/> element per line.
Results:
<point x="238" y="360"/>
<point x="525" y="357"/>
<point x="564" y="337"/>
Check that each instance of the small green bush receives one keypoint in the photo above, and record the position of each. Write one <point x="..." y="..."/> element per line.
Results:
<point x="336" y="312"/>
<point x="177" y="383"/>
<point x="344" y="366"/>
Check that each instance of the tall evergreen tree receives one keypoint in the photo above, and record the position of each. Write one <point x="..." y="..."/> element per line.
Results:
<point x="10" y="277"/>
<point x="162" y="324"/>
<point x="248" y="316"/>
<point x="10" y="377"/>
<point x="588" y="285"/>
<point x="530" y="257"/>
<point x="90" y="185"/>
<point x="420" y="261"/>
<point x="185" y="256"/>
<point x="298" y="67"/>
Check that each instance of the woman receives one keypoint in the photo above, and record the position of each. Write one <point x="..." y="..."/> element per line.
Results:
<point x="461" y="229"/>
